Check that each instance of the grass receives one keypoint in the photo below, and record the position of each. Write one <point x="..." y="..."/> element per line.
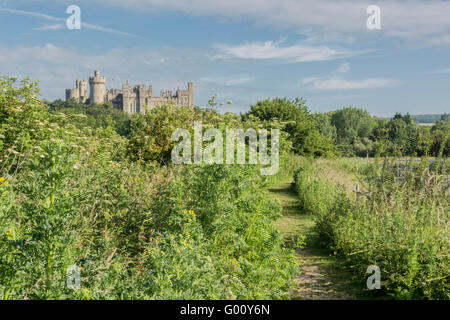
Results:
<point x="321" y="277"/>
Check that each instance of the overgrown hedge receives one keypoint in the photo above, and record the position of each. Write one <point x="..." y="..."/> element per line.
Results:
<point x="400" y="225"/>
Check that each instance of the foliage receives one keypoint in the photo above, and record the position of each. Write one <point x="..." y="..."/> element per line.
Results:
<point x="353" y="128"/>
<point x="71" y="195"/>
<point x="298" y="122"/>
<point x="93" y="187"/>
<point x="399" y="223"/>
<point x="99" y="116"/>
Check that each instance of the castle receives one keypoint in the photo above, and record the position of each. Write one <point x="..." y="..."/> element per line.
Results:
<point x="129" y="99"/>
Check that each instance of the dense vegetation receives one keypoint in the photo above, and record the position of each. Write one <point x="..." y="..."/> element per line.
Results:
<point x="73" y="192"/>
<point x="94" y="187"/>
<point x="398" y="222"/>
<point x="430" y="118"/>
<point x="354" y="131"/>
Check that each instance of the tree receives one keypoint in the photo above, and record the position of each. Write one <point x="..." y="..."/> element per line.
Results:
<point x="440" y="139"/>
<point x="353" y="127"/>
<point x="298" y="122"/>
<point x="403" y="133"/>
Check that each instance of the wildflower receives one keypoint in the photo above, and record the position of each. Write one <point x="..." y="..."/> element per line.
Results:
<point x="2" y="179"/>
<point x="9" y="234"/>
<point x="235" y="261"/>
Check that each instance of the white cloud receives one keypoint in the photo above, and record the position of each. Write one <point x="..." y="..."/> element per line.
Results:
<point x="56" y="68"/>
<point x="50" y="27"/>
<point x="413" y="20"/>
<point x="31" y="14"/>
<point x="273" y="50"/>
<point x="61" y="26"/>
<point x="343" y="68"/>
<point x="442" y="71"/>
<point x="338" y="83"/>
<point x="335" y="81"/>
<point x="229" y="80"/>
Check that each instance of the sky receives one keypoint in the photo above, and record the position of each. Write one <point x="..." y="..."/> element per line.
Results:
<point x="241" y="50"/>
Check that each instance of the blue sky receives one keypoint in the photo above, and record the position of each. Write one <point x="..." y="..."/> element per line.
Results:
<point x="243" y="50"/>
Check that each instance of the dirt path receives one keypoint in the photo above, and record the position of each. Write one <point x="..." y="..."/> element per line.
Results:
<point x="318" y="278"/>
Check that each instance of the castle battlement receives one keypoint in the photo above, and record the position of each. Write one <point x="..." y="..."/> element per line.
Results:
<point x="130" y="99"/>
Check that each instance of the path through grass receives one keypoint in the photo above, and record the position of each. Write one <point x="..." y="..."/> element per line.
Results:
<point x="319" y="278"/>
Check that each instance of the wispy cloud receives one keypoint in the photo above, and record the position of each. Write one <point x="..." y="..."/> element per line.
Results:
<point x="442" y="71"/>
<point x="338" y="83"/>
<point x="335" y="81"/>
<point x="32" y="14"/>
<point x="46" y="27"/>
<point x="412" y="20"/>
<point x="343" y="68"/>
<point x="274" y="50"/>
<point x="229" y="80"/>
<point x="61" y="26"/>
<point x="57" y="67"/>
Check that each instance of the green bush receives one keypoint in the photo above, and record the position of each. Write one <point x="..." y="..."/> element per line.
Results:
<point x="400" y="225"/>
<point x="229" y="219"/>
<point x="70" y="195"/>
<point x="315" y="195"/>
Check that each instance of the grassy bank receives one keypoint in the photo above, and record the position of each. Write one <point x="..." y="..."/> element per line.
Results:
<point x="399" y="223"/>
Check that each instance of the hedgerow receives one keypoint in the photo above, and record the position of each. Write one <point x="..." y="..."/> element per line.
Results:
<point x="70" y="195"/>
<point x="399" y="223"/>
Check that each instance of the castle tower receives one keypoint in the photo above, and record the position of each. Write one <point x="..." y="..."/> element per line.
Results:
<point x="191" y="93"/>
<point x="141" y="95"/>
<point x="97" y="88"/>
<point x="82" y="87"/>
<point x="127" y="98"/>
<point x="72" y="94"/>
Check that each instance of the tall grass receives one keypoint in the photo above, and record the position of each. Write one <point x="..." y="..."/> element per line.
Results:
<point x="399" y="223"/>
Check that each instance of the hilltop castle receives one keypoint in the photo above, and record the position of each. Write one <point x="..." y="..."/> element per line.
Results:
<point x="129" y="99"/>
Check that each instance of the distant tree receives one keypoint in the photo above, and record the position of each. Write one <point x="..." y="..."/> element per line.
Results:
<point x="440" y="136"/>
<point x="323" y="124"/>
<point x="298" y="122"/>
<point x="424" y="141"/>
<point x="426" y="118"/>
<point x="353" y="127"/>
<point x="403" y="134"/>
<point x="97" y="116"/>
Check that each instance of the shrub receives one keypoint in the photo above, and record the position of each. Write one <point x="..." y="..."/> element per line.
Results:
<point x="400" y="225"/>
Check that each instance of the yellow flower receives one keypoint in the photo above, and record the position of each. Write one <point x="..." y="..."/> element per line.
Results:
<point x="191" y="212"/>
<point x="2" y="179"/>
<point x="183" y="243"/>
<point x="10" y="234"/>
<point x="235" y="261"/>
